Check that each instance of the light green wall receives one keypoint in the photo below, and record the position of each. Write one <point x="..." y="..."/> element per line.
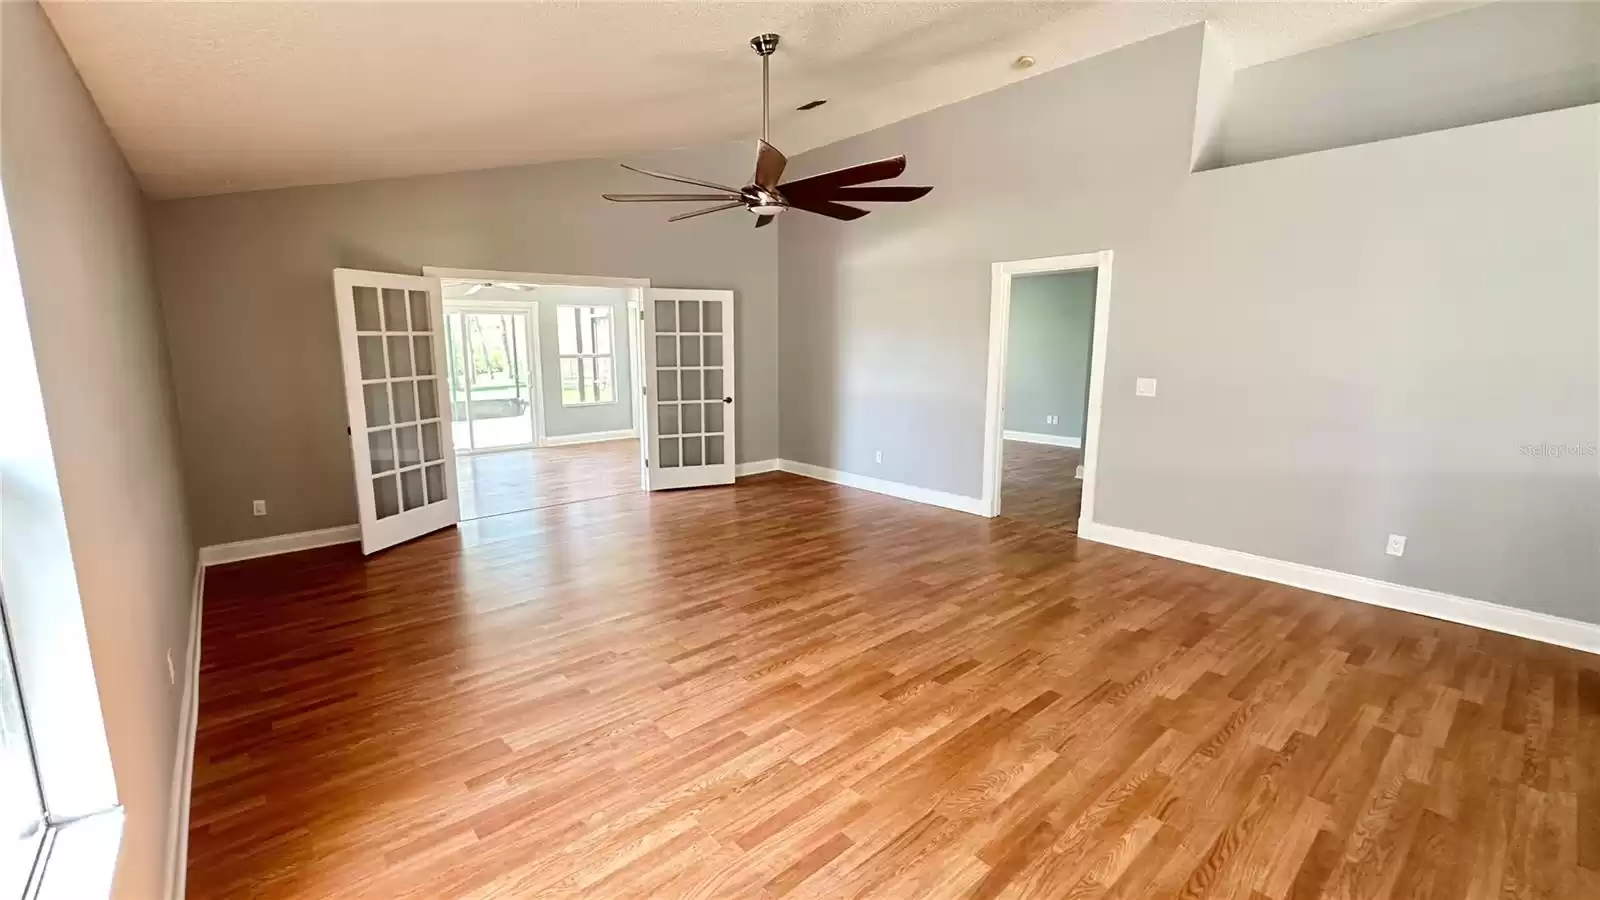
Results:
<point x="1047" y="365"/>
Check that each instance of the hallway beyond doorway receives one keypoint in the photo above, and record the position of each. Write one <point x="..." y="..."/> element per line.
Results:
<point x="1041" y="485"/>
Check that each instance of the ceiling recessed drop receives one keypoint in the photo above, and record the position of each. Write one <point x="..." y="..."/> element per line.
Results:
<point x="765" y="197"/>
<point x="1022" y="62"/>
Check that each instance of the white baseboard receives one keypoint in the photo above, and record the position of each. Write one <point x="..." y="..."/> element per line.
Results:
<point x="217" y="554"/>
<point x="891" y="488"/>
<point x="754" y="468"/>
<point x="1462" y="610"/>
<point x="593" y="437"/>
<point x="177" y="866"/>
<point x="1039" y="437"/>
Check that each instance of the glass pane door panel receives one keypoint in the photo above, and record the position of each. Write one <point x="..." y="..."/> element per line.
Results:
<point x="419" y="311"/>
<point x="422" y="354"/>
<point x="377" y="401"/>
<point x="367" y="316"/>
<point x="394" y="310"/>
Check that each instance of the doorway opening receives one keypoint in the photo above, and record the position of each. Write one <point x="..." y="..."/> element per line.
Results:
<point x="1048" y="321"/>
<point x="544" y="391"/>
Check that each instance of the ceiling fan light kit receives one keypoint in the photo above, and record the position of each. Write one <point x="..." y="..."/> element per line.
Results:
<point x="765" y="196"/>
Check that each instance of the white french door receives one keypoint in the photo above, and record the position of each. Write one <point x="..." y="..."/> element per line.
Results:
<point x="689" y="401"/>
<point x="391" y="332"/>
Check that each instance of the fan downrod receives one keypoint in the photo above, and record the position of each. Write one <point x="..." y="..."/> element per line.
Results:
<point x="764" y="44"/>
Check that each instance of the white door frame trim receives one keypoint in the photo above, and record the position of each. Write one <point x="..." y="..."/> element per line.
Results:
<point x="1001" y="275"/>
<point x="534" y="277"/>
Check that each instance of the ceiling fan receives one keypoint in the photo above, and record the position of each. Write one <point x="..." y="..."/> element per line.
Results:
<point x="482" y="285"/>
<point x="766" y="197"/>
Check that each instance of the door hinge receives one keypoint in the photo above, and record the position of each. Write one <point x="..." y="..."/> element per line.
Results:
<point x="347" y="432"/>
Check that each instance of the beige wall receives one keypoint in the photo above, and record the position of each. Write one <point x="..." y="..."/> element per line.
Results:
<point x="77" y="224"/>
<point x="247" y="288"/>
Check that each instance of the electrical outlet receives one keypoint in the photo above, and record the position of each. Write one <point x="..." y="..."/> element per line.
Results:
<point x="172" y="672"/>
<point x="258" y="507"/>
<point x="1144" y="387"/>
<point x="1396" y="545"/>
<point x="877" y="456"/>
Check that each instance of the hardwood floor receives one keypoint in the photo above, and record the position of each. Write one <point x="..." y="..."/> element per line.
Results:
<point x="792" y="689"/>
<point x="1039" y="484"/>
<point x="514" y="480"/>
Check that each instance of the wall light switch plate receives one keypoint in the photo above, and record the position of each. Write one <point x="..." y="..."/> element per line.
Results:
<point x="1396" y="545"/>
<point x="1145" y="387"/>
<point x="877" y="456"/>
<point x="258" y="508"/>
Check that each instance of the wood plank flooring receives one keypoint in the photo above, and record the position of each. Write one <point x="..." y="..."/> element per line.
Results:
<point x="792" y="689"/>
<point x="492" y="484"/>
<point x="1039" y="484"/>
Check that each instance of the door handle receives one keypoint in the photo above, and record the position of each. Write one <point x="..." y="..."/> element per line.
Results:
<point x="727" y="399"/>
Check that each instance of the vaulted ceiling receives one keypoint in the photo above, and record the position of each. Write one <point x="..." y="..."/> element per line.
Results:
<point x="209" y="97"/>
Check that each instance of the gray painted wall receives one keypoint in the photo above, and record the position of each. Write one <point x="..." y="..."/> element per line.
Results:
<point x="1348" y="344"/>
<point x="1047" y="362"/>
<point x="77" y="223"/>
<point x="1493" y="62"/>
<point x="246" y="285"/>
<point x="884" y="323"/>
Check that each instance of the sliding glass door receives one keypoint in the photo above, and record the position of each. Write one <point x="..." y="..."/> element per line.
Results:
<point x="492" y="377"/>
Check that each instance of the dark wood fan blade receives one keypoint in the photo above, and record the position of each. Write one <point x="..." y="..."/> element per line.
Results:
<point x="683" y="179"/>
<point x="710" y="209"/>
<point x="827" y="208"/>
<point x="888" y="193"/>
<point x="665" y="198"/>
<point x="769" y="166"/>
<point x="764" y="220"/>
<point x="825" y="183"/>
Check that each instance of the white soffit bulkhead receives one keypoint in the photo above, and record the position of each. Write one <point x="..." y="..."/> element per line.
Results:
<point x="215" y="97"/>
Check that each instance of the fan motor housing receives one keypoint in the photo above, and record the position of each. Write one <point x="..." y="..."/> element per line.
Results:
<point x="764" y="44"/>
<point x="755" y="195"/>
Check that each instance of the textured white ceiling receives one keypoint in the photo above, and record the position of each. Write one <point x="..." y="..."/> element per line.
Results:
<point x="213" y="97"/>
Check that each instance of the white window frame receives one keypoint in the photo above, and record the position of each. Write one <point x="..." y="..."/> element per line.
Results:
<point x="610" y="358"/>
